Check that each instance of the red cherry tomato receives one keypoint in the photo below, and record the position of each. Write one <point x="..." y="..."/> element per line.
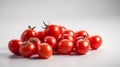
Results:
<point x="95" y="41"/>
<point x="36" y="42"/>
<point x="62" y="28"/>
<point x="67" y="36"/>
<point x="14" y="46"/>
<point x="82" y="46"/>
<point x="79" y="38"/>
<point x="40" y="35"/>
<point x="69" y="32"/>
<point x="51" y="41"/>
<point x="53" y="30"/>
<point x="28" y="33"/>
<point x="65" y="46"/>
<point x="82" y="33"/>
<point x="27" y="49"/>
<point x="45" y="50"/>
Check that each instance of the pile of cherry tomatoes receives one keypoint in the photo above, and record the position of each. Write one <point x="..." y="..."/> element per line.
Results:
<point x="53" y="39"/>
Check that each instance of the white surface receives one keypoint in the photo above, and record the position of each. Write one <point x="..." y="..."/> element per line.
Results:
<point x="100" y="17"/>
<point x="107" y="56"/>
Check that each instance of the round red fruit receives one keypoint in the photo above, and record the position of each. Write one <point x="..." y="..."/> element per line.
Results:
<point x="27" y="49"/>
<point x="28" y="33"/>
<point x="68" y="36"/>
<point x="14" y="46"/>
<point x="69" y="32"/>
<point x="45" y="51"/>
<point x="40" y="35"/>
<point x="53" y="30"/>
<point x="82" y="46"/>
<point x="51" y="41"/>
<point x="65" y="46"/>
<point x="35" y="42"/>
<point x="62" y="28"/>
<point x="95" y="41"/>
<point x="82" y="33"/>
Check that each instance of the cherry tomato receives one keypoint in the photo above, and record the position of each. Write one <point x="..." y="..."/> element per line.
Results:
<point x="67" y="36"/>
<point x="79" y="38"/>
<point x="69" y="32"/>
<point x="51" y="41"/>
<point x="36" y="42"/>
<point x="53" y="30"/>
<point x="95" y="41"/>
<point x="14" y="46"/>
<point x="45" y="51"/>
<point x="62" y="28"/>
<point x="75" y="42"/>
<point x="40" y="35"/>
<point x="28" y="33"/>
<point x="82" y="46"/>
<point x="27" y="49"/>
<point x="65" y="46"/>
<point x="82" y="33"/>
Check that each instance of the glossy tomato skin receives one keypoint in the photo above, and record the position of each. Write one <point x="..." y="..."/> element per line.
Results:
<point x="65" y="46"/>
<point x="68" y="36"/>
<point x="40" y="35"/>
<point x="53" y="30"/>
<point x="82" y="46"/>
<point x="27" y="49"/>
<point x="82" y="33"/>
<point x="95" y="41"/>
<point x="35" y="42"/>
<point x="62" y="28"/>
<point x="27" y="34"/>
<point x="70" y="32"/>
<point x="51" y="41"/>
<point x="79" y="38"/>
<point x="45" y="50"/>
<point x="14" y="46"/>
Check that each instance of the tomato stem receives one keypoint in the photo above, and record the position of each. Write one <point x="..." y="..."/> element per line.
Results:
<point x="43" y="27"/>
<point x="33" y="40"/>
<point x="45" y="24"/>
<point x="34" y="27"/>
<point x="84" y="36"/>
<point x="31" y="27"/>
<point x="25" y="43"/>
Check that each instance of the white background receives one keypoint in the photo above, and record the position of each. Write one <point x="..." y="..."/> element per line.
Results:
<point x="100" y="17"/>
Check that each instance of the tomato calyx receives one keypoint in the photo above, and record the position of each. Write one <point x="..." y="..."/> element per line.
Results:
<point x="81" y="37"/>
<point x="31" y="27"/>
<point x="25" y="43"/>
<point x="45" y="25"/>
<point x="33" y="40"/>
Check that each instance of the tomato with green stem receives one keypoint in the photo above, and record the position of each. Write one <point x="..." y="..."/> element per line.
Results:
<point x="27" y="49"/>
<point x="82" y="33"/>
<point x="28" y="33"/>
<point x="35" y="42"/>
<point x="52" y="30"/>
